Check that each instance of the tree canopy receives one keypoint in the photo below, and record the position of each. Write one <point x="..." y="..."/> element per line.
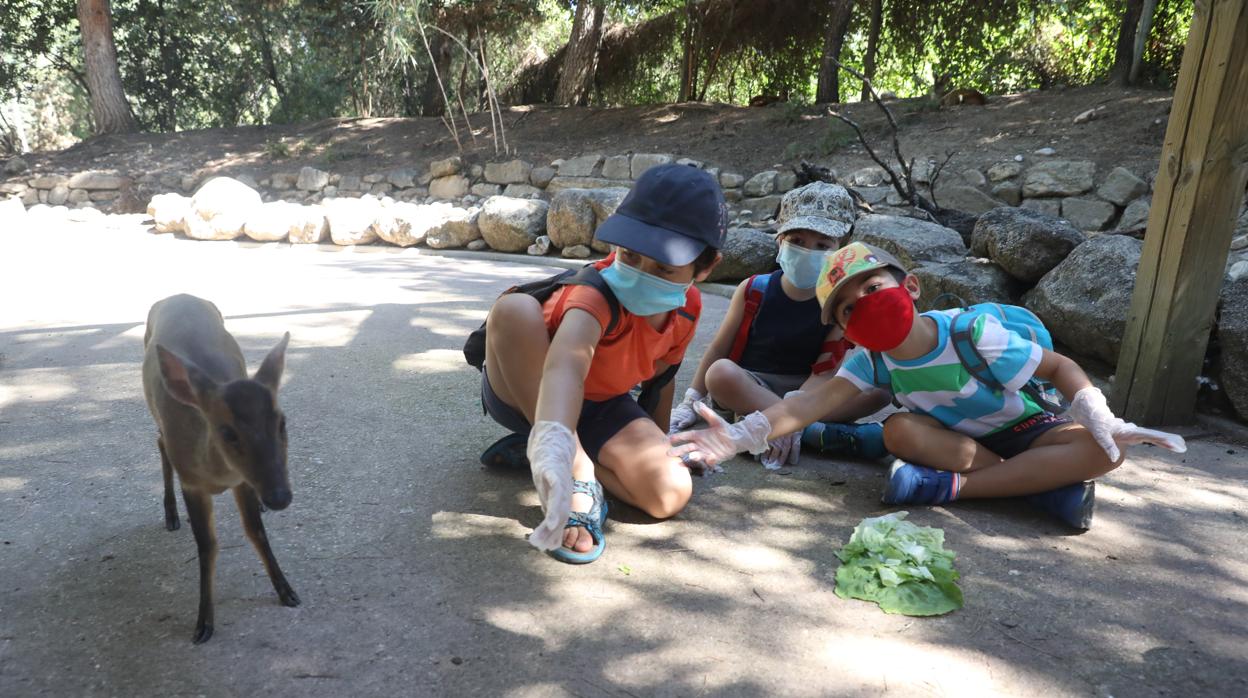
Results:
<point x="232" y="62"/>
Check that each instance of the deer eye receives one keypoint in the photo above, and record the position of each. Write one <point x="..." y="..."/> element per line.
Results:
<point x="228" y="435"/>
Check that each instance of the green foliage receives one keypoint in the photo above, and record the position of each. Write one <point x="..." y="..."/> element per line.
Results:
<point x="903" y="567"/>
<point x="276" y="150"/>
<point x="230" y="62"/>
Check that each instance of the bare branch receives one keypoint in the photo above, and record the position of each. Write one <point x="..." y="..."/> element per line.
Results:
<point x="433" y="62"/>
<point x="888" y="113"/>
<point x="931" y="186"/>
<point x="892" y="176"/>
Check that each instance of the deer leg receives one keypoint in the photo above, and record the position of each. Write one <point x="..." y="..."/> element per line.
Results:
<point x="249" y="509"/>
<point x="199" y="510"/>
<point x="172" y="523"/>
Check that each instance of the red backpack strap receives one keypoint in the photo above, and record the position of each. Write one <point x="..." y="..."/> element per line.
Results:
<point x="835" y="351"/>
<point x="754" y="292"/>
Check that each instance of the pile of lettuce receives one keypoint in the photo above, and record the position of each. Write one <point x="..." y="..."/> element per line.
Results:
<point x="902" y="567"/>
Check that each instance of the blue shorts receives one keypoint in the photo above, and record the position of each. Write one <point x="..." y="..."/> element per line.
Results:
<point x="1013" y="440"/>
<point x="599" y="420"/>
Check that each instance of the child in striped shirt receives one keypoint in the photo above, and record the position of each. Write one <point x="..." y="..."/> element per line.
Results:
<point x="960" y="439"/>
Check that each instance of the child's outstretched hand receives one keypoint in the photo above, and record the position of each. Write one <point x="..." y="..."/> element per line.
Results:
<point x="683" y="415"/>
<point x="1090" y="409"/>
<point x="721" y="440"/>
<point x="552" y="447"/>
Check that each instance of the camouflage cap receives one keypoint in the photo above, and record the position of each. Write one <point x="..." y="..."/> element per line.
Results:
<point x="818" y="206"/>
<point x="846" y="263"/>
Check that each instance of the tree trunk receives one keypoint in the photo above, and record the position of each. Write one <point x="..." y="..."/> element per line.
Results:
<point x="1141" y="39"/>
<point x="688" y="59"/>
<point x="581" y="59"/>
<point x="1121" y="72"/>
<point x="828" y="89"/>
<point x="108" y="100"/>
<point x="873" y="46"/>
<point x="440" y="60"/>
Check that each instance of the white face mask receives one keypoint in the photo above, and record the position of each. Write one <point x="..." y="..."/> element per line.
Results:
<point x="800" y="265"/>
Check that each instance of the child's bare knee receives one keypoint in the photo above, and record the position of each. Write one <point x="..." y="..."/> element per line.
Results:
<point x="514" y="311"/>
<point x="898" y="433"/>
<point x="668" y="502"/>
<point x="722" y="374"/>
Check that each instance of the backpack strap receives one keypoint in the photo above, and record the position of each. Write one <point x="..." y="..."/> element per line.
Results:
<point x="962" y="335"/>
<point x="836" y="350"/>
<point x="755" y="290"/>
<point x="588" y="276"/>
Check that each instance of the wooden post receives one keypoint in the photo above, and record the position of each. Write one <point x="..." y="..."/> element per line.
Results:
<point x="1199" y="187"/>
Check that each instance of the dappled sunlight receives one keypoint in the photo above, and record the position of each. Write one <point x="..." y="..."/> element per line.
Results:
<point x="449" y="525"/>
<point x="905" y="665"/>
<point x="432" y="361"/>
<point x="46" y="385"/>
<point x="12" y="484"/>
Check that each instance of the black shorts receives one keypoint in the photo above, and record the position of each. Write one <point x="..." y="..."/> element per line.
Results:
<point x="599" y="420"/>
<point x="1013" y="440"/>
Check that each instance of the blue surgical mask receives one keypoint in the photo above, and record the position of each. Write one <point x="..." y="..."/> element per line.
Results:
<point x="800" y="265"/>
<point x="642" y="293"/>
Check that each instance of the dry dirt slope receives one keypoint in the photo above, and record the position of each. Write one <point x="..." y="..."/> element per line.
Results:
<point x="742" y="139"/>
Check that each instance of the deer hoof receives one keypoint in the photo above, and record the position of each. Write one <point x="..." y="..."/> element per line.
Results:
<point x="203" y="633"/>
<point x="288" y="596"/>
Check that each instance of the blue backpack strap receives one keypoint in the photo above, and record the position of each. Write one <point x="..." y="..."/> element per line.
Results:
<point x="962" y="335"/>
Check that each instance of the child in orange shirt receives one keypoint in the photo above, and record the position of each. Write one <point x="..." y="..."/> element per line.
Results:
<point x="554" y="371"/>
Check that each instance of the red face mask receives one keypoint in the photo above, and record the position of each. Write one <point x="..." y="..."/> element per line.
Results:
<point x="880" y="321"/>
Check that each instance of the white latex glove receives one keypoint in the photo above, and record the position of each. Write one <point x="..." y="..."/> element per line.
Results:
<point x="683" y="415"/>
<point x="1090" y="409"/>
<point x="552" y="448"/>
<point x="722" y="440"/>
<point x="785" y="449"/>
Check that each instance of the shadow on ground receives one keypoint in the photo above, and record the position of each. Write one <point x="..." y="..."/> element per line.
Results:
<point x="410" y="556"/>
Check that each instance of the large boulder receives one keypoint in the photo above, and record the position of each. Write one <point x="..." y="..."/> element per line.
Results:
<point x="351" y="220"/>
<point x="220" y="208"/>
<point x="1027" y="244"/>
<point x="446" y="168"/>
<point x="511" y="225"/>
<point x="449" y="187"/>
<point x="1085" y="300"/>
<point x="582" y="166"/>
<point x="312" y="179"/>
<point x="1121" y="187"/>
<point x="510" y="172"/>
<point x="168" y="212"/>
<point x="12" y="212"/>
<point x="1088" y="214"/>
<point x="966" y="198"/>
<point x="270" y="222"/>
<point x="1059" y="178"/>
<point x="972" y="280"/>
<point x="459" y="228"/>
<point x="306" y="225"/>
<point x="911" y="240"/>
<point x="575" y="214"/>
<point x="746" y="252"/>
<point x="1136" y="214"/>
<point x="644" y="161"/>
<point x="1233" y="339"/>
<point x="401" y="223"/>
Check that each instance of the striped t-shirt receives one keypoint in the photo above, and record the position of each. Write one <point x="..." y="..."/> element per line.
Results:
<point x="938" y="385"/>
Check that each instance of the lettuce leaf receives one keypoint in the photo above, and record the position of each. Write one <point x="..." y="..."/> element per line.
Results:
<point x="900" y="566"/>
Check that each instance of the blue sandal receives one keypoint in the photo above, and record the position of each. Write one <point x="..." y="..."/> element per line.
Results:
<point x="592" y="521"/>
<point x="508" y="453"/>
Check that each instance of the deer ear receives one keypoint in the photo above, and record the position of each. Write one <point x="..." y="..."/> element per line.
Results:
<point x="270" y="372"/>
<point x="183" y="379"/>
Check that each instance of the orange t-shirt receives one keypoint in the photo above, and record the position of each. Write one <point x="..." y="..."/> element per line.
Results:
<point x="627" y="356"/>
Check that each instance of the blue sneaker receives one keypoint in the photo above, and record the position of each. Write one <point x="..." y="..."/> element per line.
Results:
<point x="854" y="440"/>
<point x="1072" y="504"/>
<point x="919" y="484"/>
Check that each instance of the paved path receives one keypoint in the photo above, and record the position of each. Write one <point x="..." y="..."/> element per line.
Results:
<point x="410" y="556"/>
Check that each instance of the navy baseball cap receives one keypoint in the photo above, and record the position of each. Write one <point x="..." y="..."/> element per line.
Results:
<point x="672" y="214"/>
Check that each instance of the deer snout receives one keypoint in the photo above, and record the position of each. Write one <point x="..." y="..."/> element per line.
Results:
<point x="276" y="498"/>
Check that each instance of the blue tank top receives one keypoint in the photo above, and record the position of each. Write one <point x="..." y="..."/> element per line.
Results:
<point x="787" y="336"/>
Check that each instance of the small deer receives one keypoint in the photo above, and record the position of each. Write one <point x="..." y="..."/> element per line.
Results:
<point x="218" y="429"/>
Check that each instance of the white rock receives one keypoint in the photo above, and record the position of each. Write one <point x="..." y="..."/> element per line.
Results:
<point x="168" y="212"/>
<point x="220" y="209"/>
